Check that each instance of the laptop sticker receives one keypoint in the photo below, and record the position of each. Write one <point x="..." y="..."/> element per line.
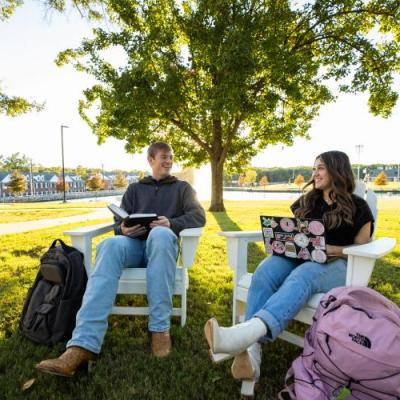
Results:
<point x="287" y="224"/>
<point x="301" y="240"/>
<point x="318" y="242"/>
<point x="278" y="247"/>
<point x="318" y="256"/>
<point x="284" y="236"/>
<point x="290" y="250"/>
<point x="268" y="232"/>
<point x="316" y="228"/>
<point x="304" y="254"/>
<point x="268" y="246"/>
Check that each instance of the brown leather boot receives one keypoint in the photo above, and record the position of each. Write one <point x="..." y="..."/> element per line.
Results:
<point x="66" y="365"/>
<point x="161" y="343"/>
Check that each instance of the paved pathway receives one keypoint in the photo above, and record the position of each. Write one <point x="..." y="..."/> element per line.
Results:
<point x="17" y="227"/>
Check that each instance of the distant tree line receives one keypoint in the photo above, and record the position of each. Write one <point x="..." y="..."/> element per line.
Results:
<point x="264" y="176"/>
<point x="273" y="175"/>
<point x="22" y="163"/>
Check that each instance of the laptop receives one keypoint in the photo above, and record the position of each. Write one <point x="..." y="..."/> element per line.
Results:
<point x="295" y="238"/>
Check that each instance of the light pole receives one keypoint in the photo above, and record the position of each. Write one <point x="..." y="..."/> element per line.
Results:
<point x="62" y="157"/>
<point x="359" y="148"/>
<point x="31" y="177"/>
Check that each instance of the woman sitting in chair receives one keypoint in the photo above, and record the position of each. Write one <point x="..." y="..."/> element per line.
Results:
<point x="280" y="286"/>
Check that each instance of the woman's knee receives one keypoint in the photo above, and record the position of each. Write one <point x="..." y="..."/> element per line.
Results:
<point x="308" y="274"/>
<point x="272" y="271"/>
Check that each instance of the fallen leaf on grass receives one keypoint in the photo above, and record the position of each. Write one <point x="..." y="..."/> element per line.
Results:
<point x="28" y="384"/>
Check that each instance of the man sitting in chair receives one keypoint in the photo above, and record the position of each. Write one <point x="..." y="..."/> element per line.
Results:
<point x="174" y="201"/>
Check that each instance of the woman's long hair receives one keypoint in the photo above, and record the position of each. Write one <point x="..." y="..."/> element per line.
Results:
<point x="342" y="181"/>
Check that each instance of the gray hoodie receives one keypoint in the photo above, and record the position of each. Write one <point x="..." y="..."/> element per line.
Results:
<point x="169" y="197"/>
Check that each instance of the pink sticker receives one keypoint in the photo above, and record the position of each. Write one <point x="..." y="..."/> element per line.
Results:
<point x="278" y="247"/>
<point x="287" y="224"/>
<point x="318" y="256"/>
<point x="301" y="240"/>
<point x="304" y="254"/>
<point x="316" y="228"/>
<point x="319" y="242"/>
<point x="268" y="246"/>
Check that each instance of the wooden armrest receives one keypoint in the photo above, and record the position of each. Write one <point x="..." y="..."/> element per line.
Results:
<point x="191" y="232"/>
<point x="91" y="230"/>
<point x="361" y="260"/>
<point x="237" y="243"/>
<point x="251" y="236"/>
<point x="189" y="242"/>
<point x="81" y="238"/>
<point x="375" y="249"/>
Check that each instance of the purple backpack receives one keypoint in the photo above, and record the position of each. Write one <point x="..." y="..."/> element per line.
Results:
<point x="353" y="347"/>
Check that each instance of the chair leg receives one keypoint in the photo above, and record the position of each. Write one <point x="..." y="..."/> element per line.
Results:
<point x="240" y="312"/>
<point x="247" y="388"/>
<point x="183" y="317"/>
<point x="183" y="299"/>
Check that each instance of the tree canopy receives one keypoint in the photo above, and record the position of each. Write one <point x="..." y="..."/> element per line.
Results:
<point x="17" y="184"/>
<point x="15" y="162"/>
<point x="13" y="106"/>
<point x="120" y="181"/>
<point x="95" y="182"/>
<point x="299" y="180"/>
<point x="381" y="179"/>
<point x="221" y="79"/>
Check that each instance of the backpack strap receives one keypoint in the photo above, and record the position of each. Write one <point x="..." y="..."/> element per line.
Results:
<point x="288" y="391"/>
<point x="64" y="246"/>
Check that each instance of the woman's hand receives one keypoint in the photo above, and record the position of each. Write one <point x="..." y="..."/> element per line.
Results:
<point x="334" y="251"/>
<point x="363" y="236"/>
<point x="133" y="231"/>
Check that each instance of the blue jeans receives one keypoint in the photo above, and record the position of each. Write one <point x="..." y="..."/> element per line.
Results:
<point x="158" y="253"/>
<point x="281" y="287"/>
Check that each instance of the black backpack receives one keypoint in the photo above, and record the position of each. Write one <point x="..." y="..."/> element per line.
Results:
<point x="50" y="308"/>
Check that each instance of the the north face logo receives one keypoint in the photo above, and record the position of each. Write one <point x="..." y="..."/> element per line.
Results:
<point x="360" y="339"/>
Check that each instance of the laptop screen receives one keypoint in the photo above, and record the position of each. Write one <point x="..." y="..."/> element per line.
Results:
<point x="300" y="238"/>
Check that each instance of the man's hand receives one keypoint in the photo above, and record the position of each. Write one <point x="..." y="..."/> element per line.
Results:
<point x="133" y="231"/>
<point x="161" y="221"/>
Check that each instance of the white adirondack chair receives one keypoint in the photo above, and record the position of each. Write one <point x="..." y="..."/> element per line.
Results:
<point x="360" y="264"/>
<point x="133" y="280"/>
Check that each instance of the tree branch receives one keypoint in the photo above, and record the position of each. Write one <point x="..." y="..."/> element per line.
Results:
<point x="192" y="135"/>
<point x="339" y="13"/>
<point x="231" y="133"/>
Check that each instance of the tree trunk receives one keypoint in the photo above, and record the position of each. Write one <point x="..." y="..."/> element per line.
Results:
<point x="217" y="200"/>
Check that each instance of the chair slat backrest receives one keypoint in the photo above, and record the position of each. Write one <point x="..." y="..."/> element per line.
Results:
<point x="370" y="197"/>
<point x="360" y="189"/>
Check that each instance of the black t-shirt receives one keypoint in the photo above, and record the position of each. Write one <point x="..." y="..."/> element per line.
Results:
<point x="344" y="234"/>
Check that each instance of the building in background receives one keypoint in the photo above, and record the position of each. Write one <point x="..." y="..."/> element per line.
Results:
<point x="42" y="183"/>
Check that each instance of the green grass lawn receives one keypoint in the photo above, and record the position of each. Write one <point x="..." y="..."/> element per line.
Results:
<point x="20" y="212"/>
<point x="7" y="217"/>
<point x="125" y="368"/>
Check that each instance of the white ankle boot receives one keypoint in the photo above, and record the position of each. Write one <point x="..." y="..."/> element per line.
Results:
<point x="235" y="339"/>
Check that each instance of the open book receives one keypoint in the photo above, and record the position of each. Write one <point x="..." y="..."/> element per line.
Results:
<point x="132" y="219"/>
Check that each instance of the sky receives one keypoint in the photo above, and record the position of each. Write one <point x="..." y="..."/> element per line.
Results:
<point x="29" y="44"/>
